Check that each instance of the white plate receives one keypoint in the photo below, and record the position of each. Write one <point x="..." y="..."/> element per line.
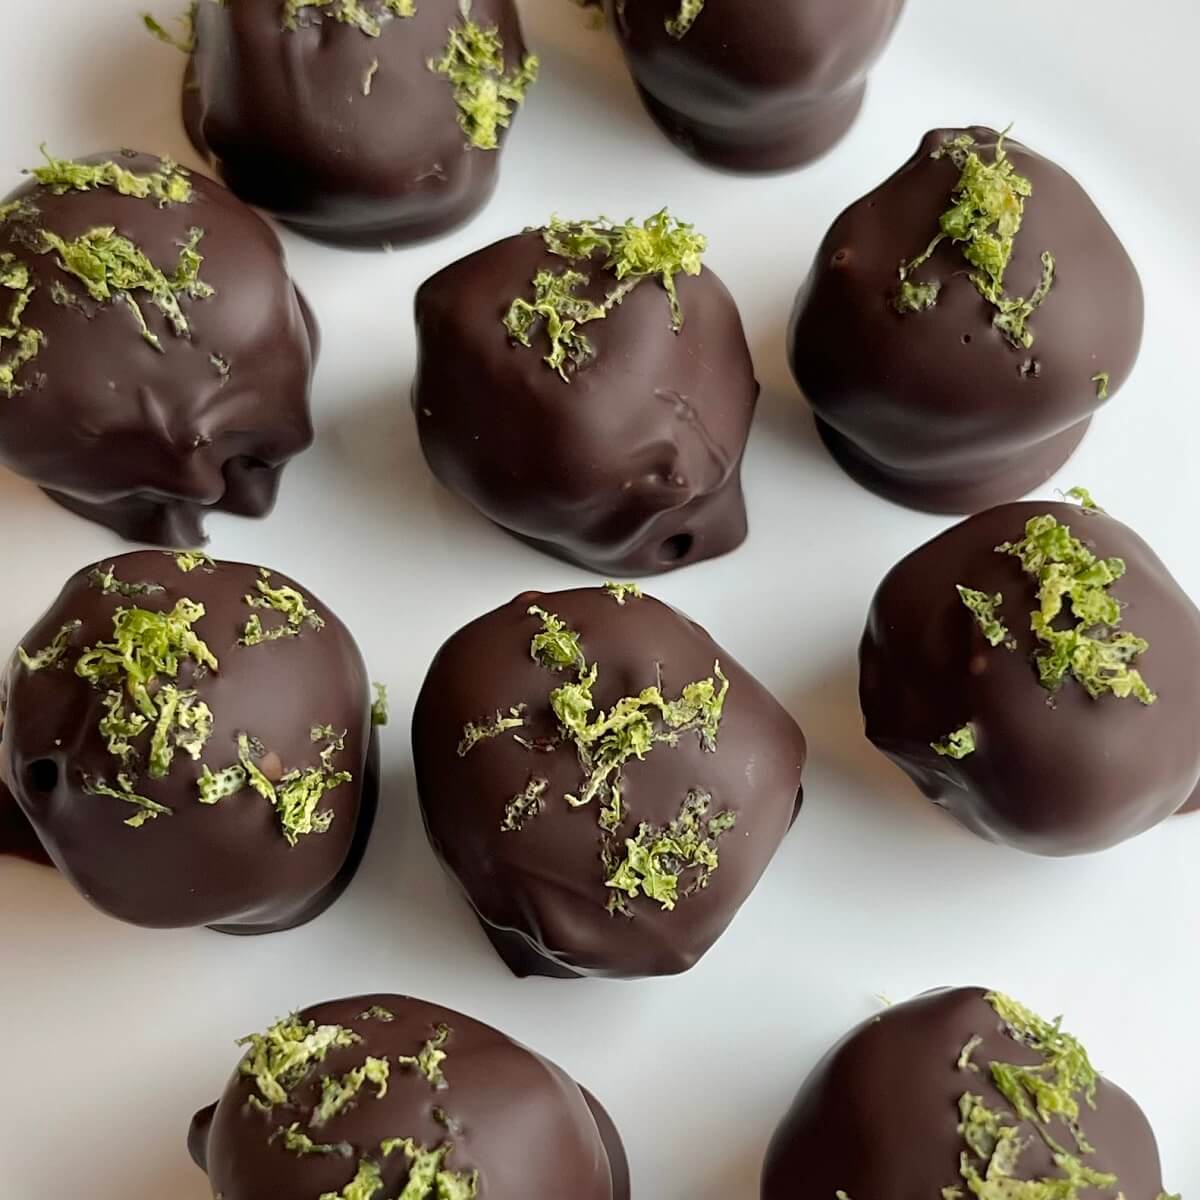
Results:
<point x="113" y="1035"/>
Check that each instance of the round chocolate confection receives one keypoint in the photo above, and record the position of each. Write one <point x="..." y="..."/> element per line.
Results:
<point x="369" y="123"/>
<point x="155" y="356"/>
<point x="626" y="459"/>
<point x="192" y="743"/>
<point x="952" y="686"/>
<point x="604" y="782"/>
<point x="918" y="393"/>
<point x="753" y="87"/>
<point x="942" y="1093"/>
<point x="383" y="1096"/>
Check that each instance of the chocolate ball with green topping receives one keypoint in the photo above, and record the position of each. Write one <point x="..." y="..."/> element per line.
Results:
<point x="588" y="387"/>
<point x="1036" y="671"/>
<point x="366" y="122"/>
<point x="606" y="784"/>
<point x="380" y="1096"/>
<point x="155" y="356"/>
<point x="192" y="743"/>
<point x="963" y="322"/>
<point x="961" y="1093"/>
<point x="753" y="87"/>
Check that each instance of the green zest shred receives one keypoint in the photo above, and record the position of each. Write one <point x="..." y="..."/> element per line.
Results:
<point x="983" y="221"/>
<point x="297" y="797"/>
<point x="347" y="12"/>
<point x="189" y="560"/>
<point x="185" y="41"/>
<point x="377" y="1013"/>
<point x="379" y="707"/>
<point x="1102" y="381"/>
<point x="106" y="580"/>
<point x="524" y="806"/>
<point x="958" y="745"/>
<point x="1057" y="1088"/>
<point x="427" y="1176"/>
<point x="659" y="247"/>
<point x="1084" y="499"/>
<point x="286" y="601"/>
<point x="1092" y="650"/>
<point x="168" y="185"/>
<point x="338" y="1094"/>
<point x="19" y="344"/>
<point x="367" y="1182"/>
<point x="112" y="268"/>
<point x="620" y="591"/>
<point x="657" y="860"/>
<point x="429" y="1059"/>
<point x="485" y="89"/>
<point x="681" y="23"/>
<point x="279" y="1059"/>
<point x="147" y="809"/>
<point x="298" y="1142"/>
<point x="985" y="610"/>
<point x="51" y="654"/>
<point x="474" y="733"/>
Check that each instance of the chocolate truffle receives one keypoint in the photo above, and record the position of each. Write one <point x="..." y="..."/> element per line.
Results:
<point x="367" y="122"/>
<point x="192" y="742"/>
<point x="1036" y="671"/>
<point x="385" y="1096"/>
<point x="753" y="87"/>
<point x="605" y="783"/>
<point x="962" y="323"/>
<point x="961" y="1093"/>
<point x="620" y="371"/>
<point x="155" y="356"/>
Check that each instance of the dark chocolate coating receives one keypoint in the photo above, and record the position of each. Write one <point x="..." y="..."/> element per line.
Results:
<point x="282" y="115"/>
<point x="879" y="1114"/>
<point x="937" y="410"/>
<point x="763" y="86"/>
<point x="147" y="442"/>
<point x="227" y="865"/>
<point x="16" y="834"/>
<point x="631" y="468"/>
<point x="540" y="893"/>
<point x="520" y="1121"/>
<point x="1051" y="775"/>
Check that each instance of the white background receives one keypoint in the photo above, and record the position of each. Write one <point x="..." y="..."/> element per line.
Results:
<point x="112" y="1036"/>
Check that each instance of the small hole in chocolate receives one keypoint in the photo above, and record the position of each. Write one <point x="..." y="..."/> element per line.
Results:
<point x="676" y="549"/>
<point x="43" y="775"/>
<point x="840" y="257"/>
<point x="966" y="339"/>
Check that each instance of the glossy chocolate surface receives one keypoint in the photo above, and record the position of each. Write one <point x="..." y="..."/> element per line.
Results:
<point x="937" y="410"/>
<point x="1052" y="774"/>
<point x="304" y="124"/>
<point x="755" y="86"/>
<point x="632" y="467"/>
<point x="517" y="1119"/>
<point x="540" y="891"/>
<point x="879" y="1114"/>
<point x="226" y="865"/>
<point x="147" y="441"/>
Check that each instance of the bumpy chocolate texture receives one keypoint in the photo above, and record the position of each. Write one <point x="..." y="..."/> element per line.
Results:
<point x="346" y="136"/>
<point x="880" y="1114"/>
<point x="1053" y="773"/>
<point x="146" y="430"/>
<point x="106" y="696"/>
<point x="462" y="1111"/>
<point x="938" y="409"/>
<point x="631" y="467"/>
<point x="497" y="771"/>
<point x="759" y="87"/>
